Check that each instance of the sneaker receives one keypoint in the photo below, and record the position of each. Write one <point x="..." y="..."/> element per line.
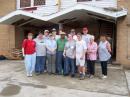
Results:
<point x="82" y="77"/>
<point x="104" y="77"/>
<point x="37" y="73"/>
<point x="72" y="75"/>
<point x="91" y="76"/>
<point x="30" y="75"/>
<point x="88" y="75"/>
<point x="45" y="71"/>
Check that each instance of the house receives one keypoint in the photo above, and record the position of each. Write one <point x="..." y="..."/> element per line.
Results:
<point x="101" y="16"/>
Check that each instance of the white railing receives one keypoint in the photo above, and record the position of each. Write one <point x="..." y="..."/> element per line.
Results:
<point x="101" y="3"/>
<point x="52" y="6"/>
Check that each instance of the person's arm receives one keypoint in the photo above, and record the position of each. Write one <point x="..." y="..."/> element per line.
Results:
<point x="84" y="51"/>
<point x="55" y="46"/>
<point x="48" y="48"/>
<point x="23" y="46"/>
<point x="109" y="47"/>
<point x="23" y="52"/>
<point x="94" y="49"/>
<point x="64" y="53"/>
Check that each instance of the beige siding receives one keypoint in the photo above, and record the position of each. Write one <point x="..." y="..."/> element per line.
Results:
<point x="123" y="36"/>
<point x="7" y="33"/>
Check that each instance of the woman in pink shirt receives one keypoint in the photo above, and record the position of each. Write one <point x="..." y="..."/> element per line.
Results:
<point x="91" y="56"/>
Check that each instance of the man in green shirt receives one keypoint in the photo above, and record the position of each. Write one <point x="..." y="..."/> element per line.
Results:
<point x="60" y="48"/>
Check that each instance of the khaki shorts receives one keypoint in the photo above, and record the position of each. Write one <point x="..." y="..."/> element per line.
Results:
<point x="80" y="62"/>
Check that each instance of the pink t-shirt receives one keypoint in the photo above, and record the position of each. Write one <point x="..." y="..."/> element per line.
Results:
<point x="92" y="55"/>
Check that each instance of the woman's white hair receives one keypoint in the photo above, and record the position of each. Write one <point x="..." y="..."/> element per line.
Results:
<point x="92" y="37"/>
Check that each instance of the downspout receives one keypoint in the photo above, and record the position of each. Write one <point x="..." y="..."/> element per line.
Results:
<point x="58" y="2"/>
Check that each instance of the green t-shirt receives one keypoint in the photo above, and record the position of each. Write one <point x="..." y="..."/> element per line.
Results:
<point x="61" y="44"/>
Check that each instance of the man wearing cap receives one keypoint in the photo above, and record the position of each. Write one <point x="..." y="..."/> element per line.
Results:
<point x="46" y="35"/>
<point x="60" y="48"/>
<point x="54" y="33"/>
<point x="46" y="38"/>
<point x="40" y="54"/>
<point x="51" y="54"/>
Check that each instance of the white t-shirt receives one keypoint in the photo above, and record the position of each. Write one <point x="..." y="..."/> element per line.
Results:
<point x="86" y="38"/>
<point x="80" y="47"/>
<point x="40" y="47"/>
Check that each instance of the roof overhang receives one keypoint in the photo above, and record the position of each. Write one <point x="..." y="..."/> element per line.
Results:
<point x="90" y="10"/>
<point x="72" y="12"/>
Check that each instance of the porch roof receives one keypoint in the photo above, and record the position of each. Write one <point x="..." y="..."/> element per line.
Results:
<point x="24" y="17"/>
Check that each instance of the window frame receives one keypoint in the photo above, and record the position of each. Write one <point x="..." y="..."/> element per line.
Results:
<point x="31" y="4"/>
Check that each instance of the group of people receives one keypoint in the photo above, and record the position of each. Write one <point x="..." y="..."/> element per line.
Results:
<point x="65" y="53"/>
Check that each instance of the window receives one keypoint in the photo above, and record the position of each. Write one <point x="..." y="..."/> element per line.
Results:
<point x="39" y="2"/>
<point x="83" y="0"/>
<point x="25" y="3"/>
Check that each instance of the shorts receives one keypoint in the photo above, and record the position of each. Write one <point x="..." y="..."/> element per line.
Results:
<point x="80" y="62"/>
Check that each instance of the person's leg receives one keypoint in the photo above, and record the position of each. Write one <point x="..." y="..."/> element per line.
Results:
<point x="27" y="63"/>
<point x="88" y="67"/>
<point x="53" y="68"/>
<point x="82" y="64"/>
<point x="92" y="67"/>
<point x="72" y="63"/>
<point x="42" y="63"/>
<point x="105" y="68"/>
<point x="56" y="61"/>
<point x="76" y="68"/>
<point x="59" y="61"/>
<point x="62" y="63"/>
<point x="82" y="75"/>
<point x="102" y="67"/>
<point x="37" y="65"/>
<point x="49" y="63"/>
<point x="66" y="63"/>
<point x="33" y="62"/>
<point x="45" y="66"/>
<point x="78" y="65"/>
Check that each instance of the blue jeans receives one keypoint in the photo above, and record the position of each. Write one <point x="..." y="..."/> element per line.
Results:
<point x="40" y="64"/>
<point x="60" y="62"/>
<point x="69" y="66"/>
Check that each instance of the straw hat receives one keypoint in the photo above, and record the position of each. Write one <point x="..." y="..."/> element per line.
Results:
<point x="62" y="33"/>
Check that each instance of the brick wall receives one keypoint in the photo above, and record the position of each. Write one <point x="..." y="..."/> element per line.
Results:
<point x="123" y="36"/>
<point x="7" y="32"/>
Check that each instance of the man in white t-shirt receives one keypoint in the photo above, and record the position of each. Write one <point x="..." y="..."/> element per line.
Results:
<point x="86" y="37"/>
<point x="80" y="55"/>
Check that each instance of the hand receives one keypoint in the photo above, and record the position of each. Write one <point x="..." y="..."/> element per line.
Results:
<point x="23" y="55"/>
<point x="64" y="55"/>
<point x="81" y="58"/>
<point x="52" y="50"/>
<point x="88" y="51"/>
